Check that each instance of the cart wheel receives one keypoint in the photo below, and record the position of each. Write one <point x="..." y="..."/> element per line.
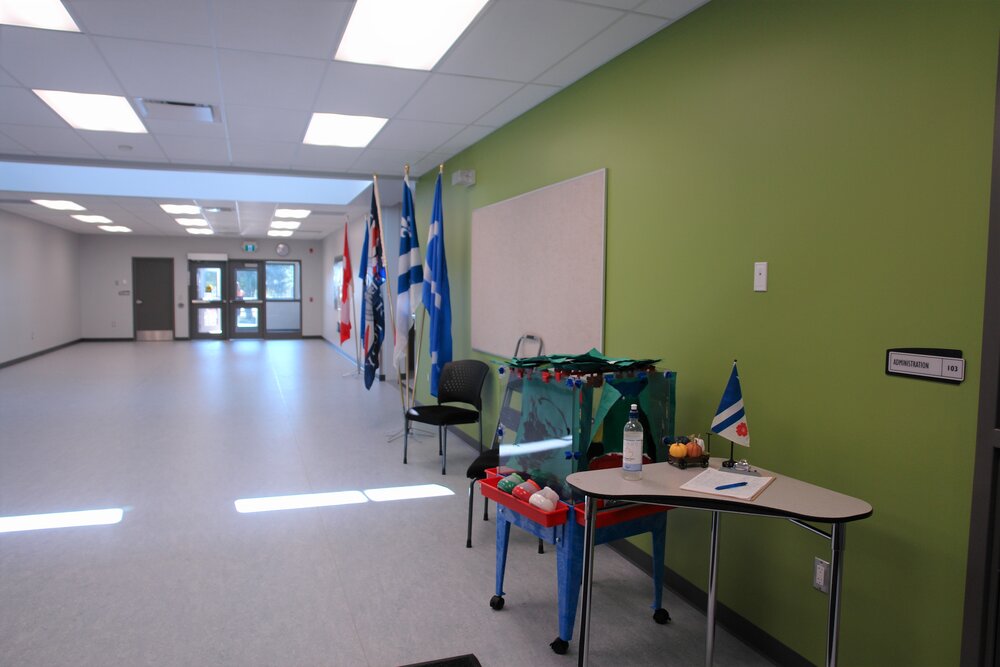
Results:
<point x="496" y="603"/>
<point x="704" y="464"/>
<point x="661" y="616"/>
<point x="560" y="646"/>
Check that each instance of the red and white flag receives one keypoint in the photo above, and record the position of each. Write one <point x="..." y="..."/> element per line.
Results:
<point x="345" y="291"/>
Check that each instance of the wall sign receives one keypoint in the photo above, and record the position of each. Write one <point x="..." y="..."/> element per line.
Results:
<point x="926" y="363"/>
<point x="249" y="247"/>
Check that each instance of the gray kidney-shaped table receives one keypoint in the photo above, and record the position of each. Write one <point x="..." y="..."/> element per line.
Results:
<point x="784" y="498"/>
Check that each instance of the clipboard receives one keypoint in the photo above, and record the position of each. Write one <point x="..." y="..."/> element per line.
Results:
<point x="710" y="479"/>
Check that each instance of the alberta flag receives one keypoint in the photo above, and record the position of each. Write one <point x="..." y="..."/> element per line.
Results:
<point x="730" y="419"/>
<point x="373" y="324"/>
<point x="437" y="296"/>
<point x="411" y="277"/>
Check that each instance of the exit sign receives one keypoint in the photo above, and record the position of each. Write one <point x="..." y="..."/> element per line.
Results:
<point x="249" y="247"/>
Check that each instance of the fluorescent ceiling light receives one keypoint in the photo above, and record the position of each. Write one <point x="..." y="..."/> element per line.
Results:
<point x="279" y="232"/>
<point x="408" y="492"/>
<point x="88" y="111"/>
<point x="285" y="224"/>
<point x="403" y="33"/>
<point x="292" y="212"/>
<point x="91" y="218"/>
<point x="10" y="524"/>
<point x="180" y="209"/>
<point x="59" y="204"/>
<point x="47" y="14"/>
<point x="115" y="228"/>
<point x="303" y="501"/>
<point x="334" y="129"/>
<point x="205" y="231"/>
<point x="192" y="222"/>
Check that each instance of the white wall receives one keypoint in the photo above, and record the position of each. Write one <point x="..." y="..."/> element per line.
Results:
<point x="106" y="270"/>
<point x="39" y="302"/>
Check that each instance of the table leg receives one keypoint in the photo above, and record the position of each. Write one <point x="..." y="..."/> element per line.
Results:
<point x="713" y="566"/>
<point x="836" y="573"/>
<point x="590" y="513"/>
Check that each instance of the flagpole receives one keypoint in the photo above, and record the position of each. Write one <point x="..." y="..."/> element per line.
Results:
<point x="409" y="361"/>
<point x="423" y="319"/>
<point x="388" y="282"/>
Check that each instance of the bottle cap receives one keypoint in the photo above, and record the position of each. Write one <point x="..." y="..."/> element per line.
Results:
<point x="635" y="407"/>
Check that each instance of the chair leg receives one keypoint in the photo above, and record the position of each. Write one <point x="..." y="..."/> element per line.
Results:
<point x="486" y="508"/>
<point x="440" y="429"/>
<point x="480" y="434"/>
<point x="444" y="455"/>
<point x="406" y="437"/>
<point x="468" y="539"/>
<point x="541" y="546"/>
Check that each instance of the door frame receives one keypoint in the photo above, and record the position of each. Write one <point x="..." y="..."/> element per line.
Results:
<point x="982" y="584"/>
<point x="194" y="305"/>
<point x="135" y="297"/>
<point x="236" y="302"/>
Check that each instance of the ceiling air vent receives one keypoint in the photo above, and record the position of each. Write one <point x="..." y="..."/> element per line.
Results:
<point x="182" y="111"/>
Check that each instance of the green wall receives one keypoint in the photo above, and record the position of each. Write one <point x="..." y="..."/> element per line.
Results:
<point x="848" y="144"/>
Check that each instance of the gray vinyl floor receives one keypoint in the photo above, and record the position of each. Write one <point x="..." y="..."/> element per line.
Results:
<point x="175" y="432"/>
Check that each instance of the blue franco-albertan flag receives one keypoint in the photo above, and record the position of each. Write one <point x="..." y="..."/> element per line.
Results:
<point x="730" y="419"/>
<point x="411" y="277"/>
<point x="374" y="330"/>
<point x="437" y="296"/>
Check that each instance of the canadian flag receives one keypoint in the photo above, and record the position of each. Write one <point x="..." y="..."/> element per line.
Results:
<point x="345" y="291"/>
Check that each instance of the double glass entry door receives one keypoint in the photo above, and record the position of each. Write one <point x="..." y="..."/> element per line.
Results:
<point x="226" y="300"/>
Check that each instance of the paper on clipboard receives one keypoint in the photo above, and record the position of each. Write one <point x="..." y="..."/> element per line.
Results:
<point x="709" y="481"/>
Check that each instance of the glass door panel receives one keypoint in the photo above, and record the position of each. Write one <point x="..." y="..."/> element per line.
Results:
<point x="208" y="299"/>
<point x="246" y="307"/>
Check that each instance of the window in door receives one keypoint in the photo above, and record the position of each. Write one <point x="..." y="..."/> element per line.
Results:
<point x="283" y="305"/>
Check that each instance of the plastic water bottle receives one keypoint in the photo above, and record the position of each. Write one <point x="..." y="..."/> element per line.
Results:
<point x="632" y="446"/>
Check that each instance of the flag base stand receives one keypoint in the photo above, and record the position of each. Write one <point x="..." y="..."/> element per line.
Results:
<point x="731" y="462"/>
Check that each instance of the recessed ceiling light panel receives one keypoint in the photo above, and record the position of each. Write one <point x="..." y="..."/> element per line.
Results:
<point x="46" y="14"/>
<point x="181" y="209"/>
<point x="285" y="224"/>
<point x="59" y="204"/>
<point x="403" y="33"/>
<point x="334" y="129"/>
<point x="199" y="230"/>
<point x="192" y="222"/>
<point x="296" y="213"/>
<point x="89" y="111"/>
<point x="115" y="229"/>
<point x="279" y="232"/>
<point x="92" y="218"/>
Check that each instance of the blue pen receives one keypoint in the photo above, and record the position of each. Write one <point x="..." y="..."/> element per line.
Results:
<point x="730" y="486"/>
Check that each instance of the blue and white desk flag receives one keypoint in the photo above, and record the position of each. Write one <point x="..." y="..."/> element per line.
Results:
<point x="730" y="419"/>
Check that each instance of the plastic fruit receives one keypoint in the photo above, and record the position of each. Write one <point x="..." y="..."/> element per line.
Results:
<point x="694" y="450"/>
<point x="678" y="450"/>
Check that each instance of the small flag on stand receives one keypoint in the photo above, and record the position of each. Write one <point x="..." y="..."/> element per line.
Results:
<point x="374" y="321"/>
<point x="411" y="277"/>
<point x="437" y="296"/>
<point x="345" y="291"/>
<point x="730" y="419"/>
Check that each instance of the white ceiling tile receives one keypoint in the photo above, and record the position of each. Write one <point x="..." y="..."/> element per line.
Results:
<point x="10" y="147"/>
<point x="163" y="71"/>
<point x="176" y="21"/>
<point x="109" y="144"/>
<point x="185" y="128"/>
<point x="671" y="9"/>
<point x="617" y="4"/>
<point x="22" y="107"/>
<point x="519" y="39"/>
<point x="325" y="158"/>
<point x="195" y="150"/>
<point x="268" y="80"/>
<point x="415" y="135"/>
<point x="263" y="154"/>
<point x="515" y="105"/>
<point x="428" y="163"/>
<point x="464" y="139"/>
<point x="55" y="60"/>
<point x="382" y="161"/>
<point x="309" y="28"/>
<point x="6" y="79"/>
<point x="54" y="141"/>
<point x="261" y="124"/>
<point x="367" y="90"/>
<point x="457" y="99"/>
<point x="617" y="39"/>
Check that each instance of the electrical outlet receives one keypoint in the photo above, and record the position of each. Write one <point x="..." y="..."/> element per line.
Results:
<point x="821" y="575"/>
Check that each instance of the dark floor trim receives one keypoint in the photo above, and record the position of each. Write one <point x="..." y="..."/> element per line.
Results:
<point x="736" y="625"/>
<point x="26" y="357"/>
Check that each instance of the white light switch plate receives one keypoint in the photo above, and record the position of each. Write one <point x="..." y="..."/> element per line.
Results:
<point x="760" y="277"/>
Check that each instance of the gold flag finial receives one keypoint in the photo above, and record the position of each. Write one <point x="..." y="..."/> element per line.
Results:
<point x="406" y="170"/>
<point x="441" y="168"/>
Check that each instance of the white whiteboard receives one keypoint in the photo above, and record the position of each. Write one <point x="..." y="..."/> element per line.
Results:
<point x="538" y="267"/>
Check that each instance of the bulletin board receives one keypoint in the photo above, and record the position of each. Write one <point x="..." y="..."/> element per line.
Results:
<point x="538" y="267"/>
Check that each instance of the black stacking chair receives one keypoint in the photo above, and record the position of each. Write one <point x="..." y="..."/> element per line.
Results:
<point x="460" y="382"/>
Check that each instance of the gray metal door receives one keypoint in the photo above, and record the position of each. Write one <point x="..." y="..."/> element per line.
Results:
<point x="153" y="298"/>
